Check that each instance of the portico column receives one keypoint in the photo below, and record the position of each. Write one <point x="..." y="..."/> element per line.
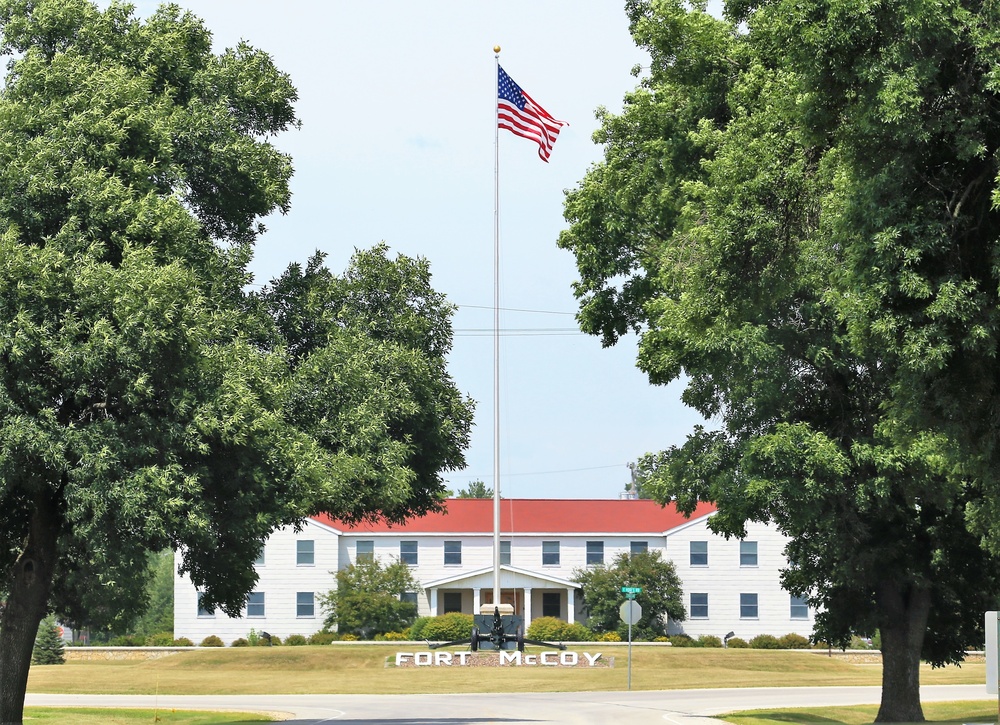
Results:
<point x="475" y="600"/>
<point x="434" y="602"/>
<point x="571" y="605"/>
<point x="527" y="608"/>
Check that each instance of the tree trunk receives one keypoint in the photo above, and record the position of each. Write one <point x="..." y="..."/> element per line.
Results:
<point x="30" y="581"/>
<point x="904" y="612"/>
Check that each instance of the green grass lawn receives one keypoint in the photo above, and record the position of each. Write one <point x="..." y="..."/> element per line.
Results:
<point x="363" y="669"/>
<point x="102" y="716"/>
<point x="935" y="712"/>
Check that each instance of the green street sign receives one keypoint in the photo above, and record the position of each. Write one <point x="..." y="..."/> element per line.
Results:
<point x="632" y="590"/>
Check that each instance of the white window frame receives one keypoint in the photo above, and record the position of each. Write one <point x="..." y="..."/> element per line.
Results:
<point x="368" y="554"/>
<point x="746" y="603"/>
<point x="405" y="556"/>
<point x="748" y="553"/>
<point x="305" y="555"/>
<point x="550" y="553"/>
<point x="798" y="604"/>
<point x="262" y="604"/>
<point x="692" y="553"/>
<point x="453" y="553"/>
<point x="301" y="601"/>
<point x="595" y="557"/>
<point x="702" y="603"/>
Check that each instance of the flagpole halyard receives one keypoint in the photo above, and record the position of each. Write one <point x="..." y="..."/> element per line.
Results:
<point x="496" y="331"/>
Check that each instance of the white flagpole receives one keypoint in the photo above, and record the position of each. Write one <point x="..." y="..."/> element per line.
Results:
<point x="496" y="331"/>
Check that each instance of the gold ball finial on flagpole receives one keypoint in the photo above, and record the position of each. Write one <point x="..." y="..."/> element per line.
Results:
<point x="496" y="48"/>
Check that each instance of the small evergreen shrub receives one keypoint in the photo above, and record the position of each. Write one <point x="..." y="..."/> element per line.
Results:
<point x="212" y="641"/>
<point x="417" y="628"/>
<point x="182" y="642"/>
<point x="577" y="632"/>
<point x="295" y="640"/>
<point x="709" y="640"/>
<point x="127" y="640"/>
<point x="49" y="646"/>
<point x="322" y="637"/>
<point x="737" y="643"/>
<point x="160" y="639"/>
<point x="241" y="642"/>
<point x="546" y="628"/>
<point x="793" y="641"/>
<point x="764" y="641"/>
<point x="447" y="627"/>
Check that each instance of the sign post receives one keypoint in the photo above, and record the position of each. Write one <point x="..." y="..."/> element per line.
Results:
<point x="993" y="657"/>
<point x="630" y="613"/>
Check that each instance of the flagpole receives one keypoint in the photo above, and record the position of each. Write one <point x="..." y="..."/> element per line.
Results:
<point x="496" y="330"/>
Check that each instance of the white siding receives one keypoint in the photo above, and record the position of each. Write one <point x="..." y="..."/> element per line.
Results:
<point x="724" y="579"/>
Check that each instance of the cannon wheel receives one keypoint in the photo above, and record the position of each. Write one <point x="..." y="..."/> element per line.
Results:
<point x="474" y="641"/>
<point x="520" y="638"/>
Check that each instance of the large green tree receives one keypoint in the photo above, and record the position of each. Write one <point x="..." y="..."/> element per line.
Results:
<point x="771" y="215"/>
<point x="661" y="599"/>
<point x="146" y="402"/>
<point x="369" y="599"/>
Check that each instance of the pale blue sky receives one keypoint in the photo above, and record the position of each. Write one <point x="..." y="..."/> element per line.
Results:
<point x="397" y="144"/>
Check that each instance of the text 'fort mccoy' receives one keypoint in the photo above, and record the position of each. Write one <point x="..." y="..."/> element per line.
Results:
<point x="501" y="659"/>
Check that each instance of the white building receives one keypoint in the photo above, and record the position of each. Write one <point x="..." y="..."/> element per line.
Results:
<point x="729" y="586"/>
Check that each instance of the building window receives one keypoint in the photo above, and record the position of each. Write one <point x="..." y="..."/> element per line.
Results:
<point x="748" y="553"/>
<point x="551" y="604"/>
<point x="365" y="551"/>
<point x="409" y="598"/>
<point x="799" y="608"/>
<point x="202" y="612"/>
<point x="305" y="604"/>
<point x="255" y="604"/>
<point x="408" y="552"/>
<point x="259" y="561"/>
<point x="452" y="602"/>
<point x="595" y="553"/>
<point x="638" y="547"/>
<point x="699" y="553"/>
<point x="305" y="552"/>
<point x="699" y="605"/>
<point x="550" y="553"/>
<point x="453" y="552"/>
<point x="505" y="552"/>
<point x="748" y="606"/>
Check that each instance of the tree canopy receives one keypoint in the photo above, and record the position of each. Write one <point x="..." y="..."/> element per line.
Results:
<point x="661" y="598"/>
<point x="475" y="489"/>
<point x="146" y="401"/>
<point x="368" y="599"/>
<point x="794" y="211"/>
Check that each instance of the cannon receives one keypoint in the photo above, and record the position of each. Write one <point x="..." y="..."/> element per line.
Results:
<point x="497" y="632"/>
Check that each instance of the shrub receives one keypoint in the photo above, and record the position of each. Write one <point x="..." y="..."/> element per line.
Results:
<point x="609" y="637"/>
<point x="127" y="640"/>
<point x="577" y="632"/>
<point x="273" y="641"/>
<point x="253" y="639"/>
<point x="160" y="639"/>
<point x="737" y="643"/>
<point x="765" y="641"/>
<point x="241" y="642"/>
<point x="322" y="637"/>
<point x="417" y="628"/>
<point x="392" y="637"/>
<point x="183" y="642"/>
<point x="547" y="628"/>
<point x="709" y="640"/>
<point x="681" y="640"/>
<point x="295" y="640"/>
<point x="212" y="641"/>
<point x="793" y="641"/>
<point x="859" y="643"/>
<point x="446" y="627"/>
<point x="349" y="637"/>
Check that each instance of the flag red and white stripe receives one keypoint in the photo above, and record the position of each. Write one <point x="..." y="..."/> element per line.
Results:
<point x="519" y="114"/>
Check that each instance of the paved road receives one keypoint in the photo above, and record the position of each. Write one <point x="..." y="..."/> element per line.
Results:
<point x="670" y="707"/>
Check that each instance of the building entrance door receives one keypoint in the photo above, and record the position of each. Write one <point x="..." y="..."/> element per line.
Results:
<point x="513" y="597"/>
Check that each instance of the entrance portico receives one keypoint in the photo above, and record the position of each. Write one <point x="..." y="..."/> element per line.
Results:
<point x="532" y="594"/>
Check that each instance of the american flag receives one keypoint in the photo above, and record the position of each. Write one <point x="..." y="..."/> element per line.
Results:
<point x="520" y="115"/>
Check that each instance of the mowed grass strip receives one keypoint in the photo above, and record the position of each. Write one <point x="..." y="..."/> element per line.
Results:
<point x="935" y="712"/>
<point x="103" y="716"/>
<point x="362" y="669"/>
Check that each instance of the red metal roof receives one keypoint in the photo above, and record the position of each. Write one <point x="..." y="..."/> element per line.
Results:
<point x="537" y="515"/>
